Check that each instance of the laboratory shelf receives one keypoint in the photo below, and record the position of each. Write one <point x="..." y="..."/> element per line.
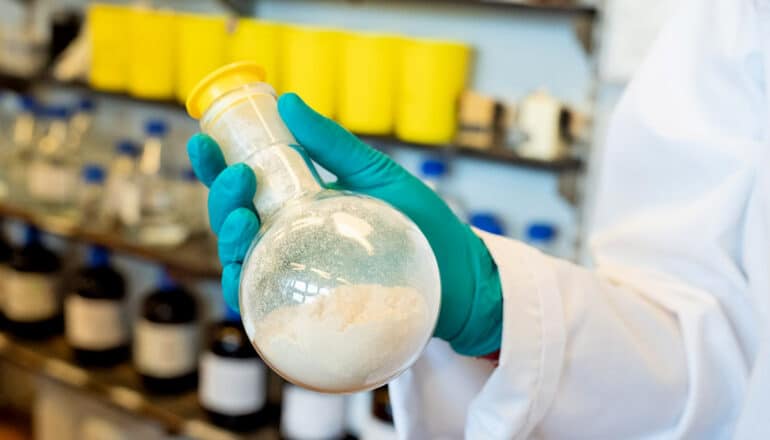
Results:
<point x="194" y="258"/>
<point x="575" y="7"/>
<point x="498" y="154"/>
<point x="119" y="387"/>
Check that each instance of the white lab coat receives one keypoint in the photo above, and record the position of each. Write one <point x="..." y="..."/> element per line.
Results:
<point x="668" y="337"/>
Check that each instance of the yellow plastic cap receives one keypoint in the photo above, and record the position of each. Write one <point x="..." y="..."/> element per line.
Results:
<point x="219" y="82"/>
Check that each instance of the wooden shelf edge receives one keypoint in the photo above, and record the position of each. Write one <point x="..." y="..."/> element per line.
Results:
<point x="189" y="259"/>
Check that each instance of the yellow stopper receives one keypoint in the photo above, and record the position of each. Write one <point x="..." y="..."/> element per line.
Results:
<point x="219" y="82"/>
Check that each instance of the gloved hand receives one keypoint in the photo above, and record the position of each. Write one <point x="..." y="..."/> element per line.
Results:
<point x="470" y="317"/>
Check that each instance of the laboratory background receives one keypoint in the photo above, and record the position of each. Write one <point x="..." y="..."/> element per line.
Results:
<point x="113" y="323"/>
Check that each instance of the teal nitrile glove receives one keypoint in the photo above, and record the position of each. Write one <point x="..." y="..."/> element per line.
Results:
<point x="470" y="318"/>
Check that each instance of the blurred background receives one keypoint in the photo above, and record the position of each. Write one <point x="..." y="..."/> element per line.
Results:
<point x="113" y="325"/>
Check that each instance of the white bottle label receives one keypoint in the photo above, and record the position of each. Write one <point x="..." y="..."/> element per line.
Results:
<point x="95" y="324"/>
<point x="309" y="415"/>
<point x="165" y="350"/>
<point x="232" y="386"/>
<point x="30" y="297"/>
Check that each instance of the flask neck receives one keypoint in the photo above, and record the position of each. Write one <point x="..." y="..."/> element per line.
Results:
<point x="246" y="125"/>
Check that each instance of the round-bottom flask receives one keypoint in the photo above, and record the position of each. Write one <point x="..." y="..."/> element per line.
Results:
<point x="339" y="292"/>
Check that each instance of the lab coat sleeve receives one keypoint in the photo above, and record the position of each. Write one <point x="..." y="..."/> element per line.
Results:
<point x="657" y="341"/>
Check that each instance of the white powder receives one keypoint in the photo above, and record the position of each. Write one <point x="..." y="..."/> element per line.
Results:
<point x="351" y="338"/>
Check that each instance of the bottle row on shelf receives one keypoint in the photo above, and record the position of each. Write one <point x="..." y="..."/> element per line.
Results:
<point x="89" y="305"/>
<point x="50" y="164"/>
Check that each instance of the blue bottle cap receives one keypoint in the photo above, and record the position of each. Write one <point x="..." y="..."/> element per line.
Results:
<point x="541" y="232"/>
<point x="166" y="281"/>
<point x="127" y="147"/>
<point x="86" y="104"/>
<point x="98" y="256"/>
<point x="487" y="222"/>
<point x="433" y="168"/>
<point x="31" y="234"/>
<point x="231" y="315"/>
<point x="93" y="173"/>
<point x="155" y="127"/>
<point x="189" y="175"/>
<point x="28" y="104"/>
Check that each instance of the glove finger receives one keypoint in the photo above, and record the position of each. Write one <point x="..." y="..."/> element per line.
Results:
<point x="355" y="164"/>
<point x="234" y="188"/>
<point x="231" y="280"/>
<point x="206" y="158"/>
<point x="236" y="235"/>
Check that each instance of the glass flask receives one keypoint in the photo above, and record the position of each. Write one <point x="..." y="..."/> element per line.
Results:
<point x="339" y="292"/>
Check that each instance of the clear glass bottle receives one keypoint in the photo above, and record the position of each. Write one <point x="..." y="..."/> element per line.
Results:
<point x="91" y="196"/>
<point x="53" y="173"/>
<point x="32" y="303"/>
<point x="95" y="312"/>
<point x="152" y="214"/>
<point x="118" y="192"/>
<point x="167" y="339"/>
<point x="233" y="379"/>
<point x="24" y="132"/>
<point x="339" y="292"/>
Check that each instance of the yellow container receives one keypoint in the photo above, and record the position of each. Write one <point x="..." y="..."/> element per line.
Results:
<point x="258" y="41"/>
<point x="433" y="74"/>
<point x="367" y="86"/>
<point x="309" y="64"/>
<point x="108" y="27"/>
<point x="151" y="68"/>
<point x="200" y="49"/>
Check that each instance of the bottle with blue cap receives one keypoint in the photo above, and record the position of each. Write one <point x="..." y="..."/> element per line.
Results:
<point x="80" y="123"/>
<point x="542" y="235"/>
<point x="434" y="173"/>
<point x="153" y="216"/>
<point x="167" y="338"/>
<point x="91" y="196"/>
<point x="54" y="172"/>
<point x="95" y="312"/>
<point x="32" y="303"/>
<point x="233" y="379"/>
<point x="119" y="187"/>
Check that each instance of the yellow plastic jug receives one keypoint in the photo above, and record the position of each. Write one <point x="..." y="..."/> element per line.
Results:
<point x="200" y="49"/>
<point x="433" y="74"/>
<point x="308" y="66"/>
<point x="368" y="77"/>
<point x="151" y="72"/>
<point x="108" y="27"/>
<point x="258" y="41"/>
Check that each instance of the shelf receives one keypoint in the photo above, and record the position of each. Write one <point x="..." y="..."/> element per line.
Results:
<point x="554" y="6"/>
<point x="120" y="387"/>
<point x="195" y="258"/>
<point x="497" y="154"/>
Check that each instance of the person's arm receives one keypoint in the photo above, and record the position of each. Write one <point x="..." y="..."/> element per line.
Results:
<point x="658" y="340"/>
